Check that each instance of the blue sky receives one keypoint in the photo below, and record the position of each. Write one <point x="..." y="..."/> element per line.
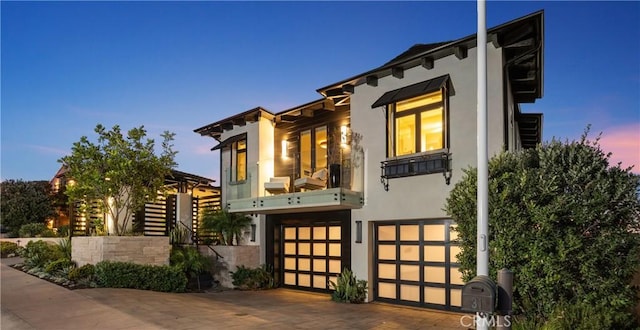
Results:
<point x="67" y="66"/>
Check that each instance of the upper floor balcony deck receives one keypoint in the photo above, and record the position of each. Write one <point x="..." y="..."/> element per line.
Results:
<point x="266" y="195"/>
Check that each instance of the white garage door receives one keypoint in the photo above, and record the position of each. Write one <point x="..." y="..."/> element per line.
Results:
<point x="415" y="264"/>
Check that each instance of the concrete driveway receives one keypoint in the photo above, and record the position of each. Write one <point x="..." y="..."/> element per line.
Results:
<point x="31" y="303"/>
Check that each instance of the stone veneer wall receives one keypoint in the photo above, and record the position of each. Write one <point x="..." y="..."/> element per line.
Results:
<point x="144" y="250"/>
<point x="233" y="256"/>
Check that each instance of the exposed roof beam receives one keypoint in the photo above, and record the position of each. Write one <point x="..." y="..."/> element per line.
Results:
<point x="372" y="80"/>
<point x="460" y="52"/>
<point x="427" y="62"/>
<point x="397" y="72"/>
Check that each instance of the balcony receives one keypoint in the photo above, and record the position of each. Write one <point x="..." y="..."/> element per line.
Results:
<point x="249" y="196"/>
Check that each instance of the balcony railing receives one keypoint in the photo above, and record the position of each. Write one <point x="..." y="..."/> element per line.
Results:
<point x="249" y="196"/>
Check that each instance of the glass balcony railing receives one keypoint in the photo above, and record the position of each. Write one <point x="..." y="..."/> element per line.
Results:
<point x="250" y="196"/>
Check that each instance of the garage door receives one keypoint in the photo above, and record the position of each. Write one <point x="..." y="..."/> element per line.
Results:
<point x="312" y="255"/>
<point x="415" y="264"/>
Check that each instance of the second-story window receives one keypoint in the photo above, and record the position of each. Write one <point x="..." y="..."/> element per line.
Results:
<point x="239" y="159"/>
<point x="417" y="125"/>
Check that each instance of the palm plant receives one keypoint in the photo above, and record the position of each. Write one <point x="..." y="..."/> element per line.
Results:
<point x="226" y="224"/>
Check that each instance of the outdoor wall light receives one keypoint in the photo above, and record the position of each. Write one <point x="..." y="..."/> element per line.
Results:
<point x="253" y="232"/>
<point x="285" y="146"/>
<point x="343" y="135"/>
<point x="359" y="231"/>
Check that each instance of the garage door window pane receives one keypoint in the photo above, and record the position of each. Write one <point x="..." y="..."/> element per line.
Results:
<point x="304" y="264"/>
<point x="289" y="278"/>
<point x="319" y="249"/>
<point x="387" y="252"/>
<point x="456" y="276"/>
<point x="387" y="271"/>
<point x="320" y="265"/>
<point x="434" y="274"/>
<point x="334" y="232"/>
<point x="454" y="251"/>
<point x="290" y="263"/>
<point x="434" y="253"/>
<point x="319" y="233"/>
<point x="334" y="266"/>
<point x="290" y="233"/>
<point x="456" y="297"/>
<point x="320" y="281"/>
<point x="410" y="292"/>
<point x="304" y="249"/>
<point x="289" y="248"/>
<point x="433" y="232"/>
<point x="409" y="233"/>
<point x="387" y="233"/>
<point x="334" y="249"/>
<point x="387" y="290"/>
<point x="409" y="253"/>
<point x="304" y="233"/>
<point x="409" y="273"/>
<point x="434" y="295"/>
<point x="304" y="280"/>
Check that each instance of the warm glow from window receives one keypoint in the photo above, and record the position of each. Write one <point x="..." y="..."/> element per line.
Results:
<point x="418" y="125"/>
<point x="431" y="130"/>
<point x="405" y="135"/>
<point x="419" y="101"/>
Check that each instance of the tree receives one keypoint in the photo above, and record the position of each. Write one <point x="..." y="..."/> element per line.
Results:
<point x="565" y="221"/>
<point x="24" y="202"/>
<point x="226" y="224"/>
<point x="120" y="173"/>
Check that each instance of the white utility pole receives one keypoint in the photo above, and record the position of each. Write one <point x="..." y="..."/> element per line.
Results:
<point x="483" y="159"/>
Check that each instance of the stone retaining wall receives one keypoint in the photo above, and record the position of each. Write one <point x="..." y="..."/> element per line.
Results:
<point x="144" y="250"/>
<point x="233" y="256"/>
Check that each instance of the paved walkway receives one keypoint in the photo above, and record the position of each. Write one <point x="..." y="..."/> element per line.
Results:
<point x="31" y="303"/>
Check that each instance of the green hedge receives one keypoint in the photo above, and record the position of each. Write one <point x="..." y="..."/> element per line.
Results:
<point x="7" y="248"/>
<point x="40" y="253"/>
<point x="114" y="274"/>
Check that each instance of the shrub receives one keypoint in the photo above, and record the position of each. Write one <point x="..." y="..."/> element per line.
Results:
<point x="59" y="266"/>
<point x="86" y="273"/>
<point x="579" y="315"/>
<point x="348" y="289"/>
<point x="245" y="278"/>
<point x="40" y="253"/>
<point x="64" y="245"/>
<point x="189" y="261"/>
<point x="35" y="230"/>
<point x="7" y="248"/>
<point x="115" y="274"/>
<point x="63" y="231"/>
<point x="564" y="221"/>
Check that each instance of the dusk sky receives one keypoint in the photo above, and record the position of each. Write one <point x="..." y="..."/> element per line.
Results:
<point x="67" y="66"/>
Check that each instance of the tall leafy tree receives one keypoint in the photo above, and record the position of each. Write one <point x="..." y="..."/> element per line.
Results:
<point x="120" y="172"/>
<point x="565" y="221"/>
<point x="24" y="202"/>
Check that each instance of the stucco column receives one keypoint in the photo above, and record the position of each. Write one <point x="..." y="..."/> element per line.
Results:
<point x="184" y="212"/>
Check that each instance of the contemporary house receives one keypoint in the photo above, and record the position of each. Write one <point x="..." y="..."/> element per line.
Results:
<point x="358" y="178"/>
